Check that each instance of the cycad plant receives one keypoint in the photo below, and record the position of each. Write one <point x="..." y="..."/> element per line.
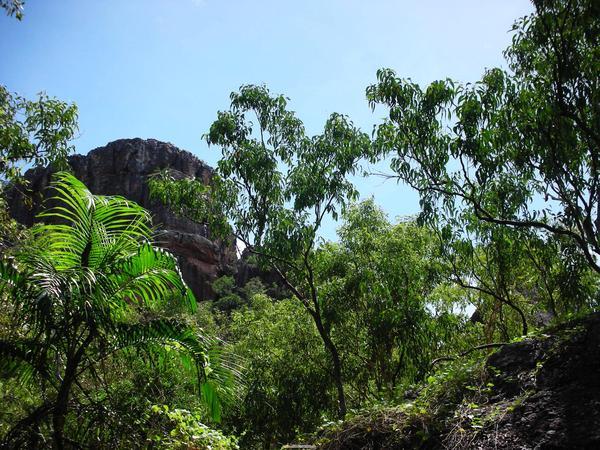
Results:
<point x="86" y="288"/>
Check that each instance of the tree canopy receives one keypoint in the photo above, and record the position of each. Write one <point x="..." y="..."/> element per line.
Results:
<point x="36" y="132"/>
<point x="518" y="148"/>
<point x="275" y="185"/>
<point x="103" y="345"/>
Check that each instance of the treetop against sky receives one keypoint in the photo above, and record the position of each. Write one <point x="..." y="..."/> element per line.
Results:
<point x="162" y="69"/>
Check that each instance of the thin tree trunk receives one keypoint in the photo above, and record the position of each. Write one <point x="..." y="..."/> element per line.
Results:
<point x="61" y="405"/>
<point x="337" y="375"/>
<point x="329" y="345"/>
<point x="337" y="366"/>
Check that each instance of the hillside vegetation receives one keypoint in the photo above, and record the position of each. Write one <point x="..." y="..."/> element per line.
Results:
<point x="472" y="325"/>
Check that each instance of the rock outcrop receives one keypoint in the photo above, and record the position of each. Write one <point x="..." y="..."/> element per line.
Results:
<point x="553" y="384"/>
<point x="122" y="168"/>
<point x="540" y="393"/>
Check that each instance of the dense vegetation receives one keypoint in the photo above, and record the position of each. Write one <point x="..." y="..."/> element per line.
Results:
<point x="102" y="345"/>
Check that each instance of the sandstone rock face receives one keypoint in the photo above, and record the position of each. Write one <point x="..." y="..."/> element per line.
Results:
<point x="122" y="168"/>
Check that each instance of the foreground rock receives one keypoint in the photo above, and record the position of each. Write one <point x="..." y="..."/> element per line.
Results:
<point x="554" y="385"/>
<point x="540" y="393"/>
<point x="122" y="168"/>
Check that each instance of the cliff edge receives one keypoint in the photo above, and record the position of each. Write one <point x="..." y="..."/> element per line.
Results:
<point x="122" y="168"/>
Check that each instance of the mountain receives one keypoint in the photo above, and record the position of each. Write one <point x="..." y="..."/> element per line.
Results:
<point x="122" y="168"/>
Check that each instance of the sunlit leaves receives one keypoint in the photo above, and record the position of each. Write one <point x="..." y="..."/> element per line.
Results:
<point x="90" y="285"/>
<point x="286" y="181"/>
<point x="36" y="132"/>
<point x="516" y="148"/>
<point x="273" y="183"/>
<point x="377" y="285"/>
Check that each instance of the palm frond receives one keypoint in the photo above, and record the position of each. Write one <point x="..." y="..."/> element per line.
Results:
<point x="148" y="277"/>
<point x="216" y="381"/>
<point x="85" y="282"/>
<point x="90" y="230"/>
<point x="22" y="359"/>
<point x="12" y="280"/>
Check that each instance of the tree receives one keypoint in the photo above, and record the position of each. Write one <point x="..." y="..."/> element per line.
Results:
<point x="34" y="132"/>
<point x="84" y="290"/>
<point x="381" y="283"/>
<point x="31" y="133"/>
<point x="287" y="388"/>
<point x="276" y="185"/>
<point x="518" y="149"/>
<point x="13" y="7"/>
<point x="518" y="276"/>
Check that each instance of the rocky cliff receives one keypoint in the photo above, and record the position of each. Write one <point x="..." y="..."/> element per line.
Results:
<point x="122" y="168"/>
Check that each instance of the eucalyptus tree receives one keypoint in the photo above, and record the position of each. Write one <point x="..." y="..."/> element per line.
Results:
<point x="36" y="132"/>
<point x="381" y="282"/>
<point x="276" y="185"/>
<point x="518" y="277"/>
<point x="519" y="148"/>
<point x="86" y="288"/>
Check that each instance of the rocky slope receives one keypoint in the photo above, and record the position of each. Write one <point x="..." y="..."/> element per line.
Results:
<point x="542" y="392"/>
<point x="122" y="168"/>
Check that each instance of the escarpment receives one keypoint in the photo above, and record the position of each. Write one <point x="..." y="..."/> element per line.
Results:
<point x="122" y="168"/>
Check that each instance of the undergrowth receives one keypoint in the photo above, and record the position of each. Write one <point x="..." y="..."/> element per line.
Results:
<point x="454" y="398"/>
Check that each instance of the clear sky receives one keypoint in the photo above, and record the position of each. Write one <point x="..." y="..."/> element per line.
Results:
<point x="163" y="68"/>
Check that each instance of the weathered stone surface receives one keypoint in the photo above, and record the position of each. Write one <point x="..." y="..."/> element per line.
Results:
<point x="554" y="386"/>
<point x="122" y="168"/>
<point x="542" y="393"/>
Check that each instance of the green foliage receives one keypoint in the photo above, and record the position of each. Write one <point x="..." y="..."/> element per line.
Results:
<point x="275" y="185"/>
<point x="17" y="400"/>
<point x="192" y="199"/>
<point x="34" y="132"/>
<point x="229" y="297"/>
<point x="432" y="419"/>
<point x="185" y="430"/>
<point x="383" y="295"/>
<point x="92" y="313"/>
<point x="226" y="296"/>
<point x="88" y="287"/>
<point x="287" y="387"/>
<point x="518" y="149"/>
<point x="519" y="277"/>
<point x="224" y="285"/>
<point x="253" y="287"/>
<point x="382" y="290"/>
<point x="450" y="384"/>
<point x="11" y="232"/>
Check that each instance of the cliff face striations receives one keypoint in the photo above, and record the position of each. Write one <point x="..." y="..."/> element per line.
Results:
<point x="122" y="168"/>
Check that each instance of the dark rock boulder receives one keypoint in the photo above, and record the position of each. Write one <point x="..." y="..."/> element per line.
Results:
<point x="553" y="382"/>
<point x="122" y="168"/>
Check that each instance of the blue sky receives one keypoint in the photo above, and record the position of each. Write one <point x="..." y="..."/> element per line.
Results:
<point x="163" y="68"/>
